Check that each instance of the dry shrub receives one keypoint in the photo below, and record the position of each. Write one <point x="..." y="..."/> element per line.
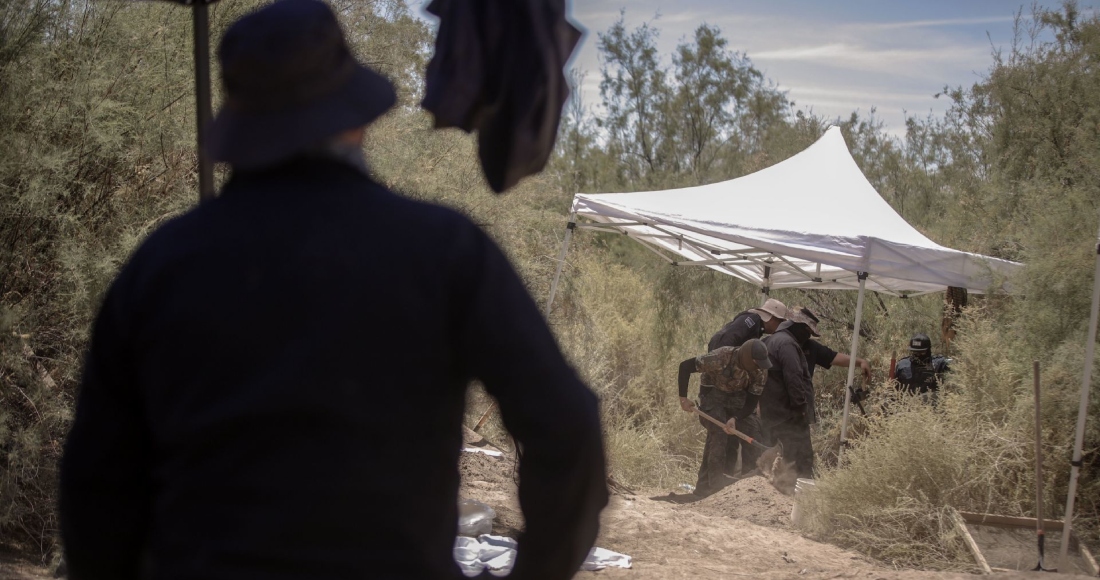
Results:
<point x="888" y="498"/>
<point x="974" y="451"/>
<point x="640" y="456"/>
<point x="650" y="441"/>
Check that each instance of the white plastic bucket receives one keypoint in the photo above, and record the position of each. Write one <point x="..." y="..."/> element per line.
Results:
<point x="801" y="486"/>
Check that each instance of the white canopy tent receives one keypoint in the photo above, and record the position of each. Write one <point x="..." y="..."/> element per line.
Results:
<point x="811" y="221"/>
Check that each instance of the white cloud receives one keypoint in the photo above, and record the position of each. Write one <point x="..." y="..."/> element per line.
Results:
<point x="832" y="63"/>
<point x="915" y="62"/>
<point x="874" y="26"/>
<point x="846" y="95"/>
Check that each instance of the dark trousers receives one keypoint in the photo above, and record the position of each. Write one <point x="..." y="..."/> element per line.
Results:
<point x="721" y="450"/>
<point x="794" y="435"/>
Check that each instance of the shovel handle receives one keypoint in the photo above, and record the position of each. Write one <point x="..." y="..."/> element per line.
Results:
<point x="750" y="440"/>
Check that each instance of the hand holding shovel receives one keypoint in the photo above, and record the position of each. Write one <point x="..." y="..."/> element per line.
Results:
<point x="730" y="430"/>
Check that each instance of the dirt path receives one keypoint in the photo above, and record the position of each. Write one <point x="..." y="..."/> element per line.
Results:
<point x="698" y="540"/>
<point x="743" y="530"/>
<point x="14" y="566"/>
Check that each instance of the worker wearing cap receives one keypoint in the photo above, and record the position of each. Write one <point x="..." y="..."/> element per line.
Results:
<point x="921" y="373"/>
<point x="740" y="373"/>
<point x="752" y="323"/>
<point x="787" y="403"/>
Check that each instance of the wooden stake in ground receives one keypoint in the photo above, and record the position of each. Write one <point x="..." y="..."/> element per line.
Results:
<point x="1039" y="474"/>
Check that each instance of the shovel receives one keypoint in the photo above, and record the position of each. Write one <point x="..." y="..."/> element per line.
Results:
<point x="731" y="430"/>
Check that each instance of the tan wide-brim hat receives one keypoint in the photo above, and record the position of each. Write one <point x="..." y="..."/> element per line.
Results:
<point x="799" y="315"/>
<point x="771" y="307"/>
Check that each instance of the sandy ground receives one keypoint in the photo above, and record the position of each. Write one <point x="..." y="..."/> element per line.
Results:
<point x="16" y="567"/>
<point x="743" y="530"/>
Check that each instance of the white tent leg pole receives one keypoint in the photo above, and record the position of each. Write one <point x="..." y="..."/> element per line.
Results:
<point x="852" y="364"/>
<point x="549" y="302"/>
<point x="1082" y="413"/>
<point x="561" y="262"/>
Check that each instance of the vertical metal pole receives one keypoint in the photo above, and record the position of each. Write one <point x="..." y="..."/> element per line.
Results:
<point x="766" y="285"/>
<point x="202" y="97"/>
<point x="852" y="364"/>
<point x="1082" y="413"/>
<point x="561" y="261"/>
<point x="549" y="302"/>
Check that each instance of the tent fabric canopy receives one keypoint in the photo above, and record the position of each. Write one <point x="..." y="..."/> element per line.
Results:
<point x="811" y="221"/>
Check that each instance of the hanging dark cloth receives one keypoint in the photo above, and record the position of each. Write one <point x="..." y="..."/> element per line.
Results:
<point x="497" y="70"/>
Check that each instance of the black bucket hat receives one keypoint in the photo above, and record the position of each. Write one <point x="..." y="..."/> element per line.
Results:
<point x="290" y="84"/>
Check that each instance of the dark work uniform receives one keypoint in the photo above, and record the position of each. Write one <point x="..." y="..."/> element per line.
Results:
<point x="734" y="395"/>
<point x="275" y="390"/>
<point x="920" y="376"/>
<point x="744" y="326"/>
<point x="786" y="405"/>
<point x="818" y="355"/>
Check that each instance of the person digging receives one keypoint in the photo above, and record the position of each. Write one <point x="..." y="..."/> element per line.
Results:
<point x="740" y="374"/>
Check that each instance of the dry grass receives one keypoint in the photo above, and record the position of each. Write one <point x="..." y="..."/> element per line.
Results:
<point x="909" y="467"/>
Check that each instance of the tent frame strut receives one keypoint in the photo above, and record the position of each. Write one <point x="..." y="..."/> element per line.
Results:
<point x="764" y="260"/>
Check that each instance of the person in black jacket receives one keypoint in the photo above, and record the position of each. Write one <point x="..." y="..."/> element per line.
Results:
<point x="787" y="403"/>
<point x="276" y="379"/>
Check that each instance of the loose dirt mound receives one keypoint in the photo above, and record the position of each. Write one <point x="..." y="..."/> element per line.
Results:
<point x="490" y="481"/>
<point x="752" y="499"/>
<point x="480" y="468"/>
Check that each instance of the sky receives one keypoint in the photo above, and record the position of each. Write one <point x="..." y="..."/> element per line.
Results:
<point x="833" y="57"/>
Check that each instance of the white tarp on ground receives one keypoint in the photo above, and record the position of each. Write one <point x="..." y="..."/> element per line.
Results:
<point x="498" y="554"/>
<point x="811" y="221"/>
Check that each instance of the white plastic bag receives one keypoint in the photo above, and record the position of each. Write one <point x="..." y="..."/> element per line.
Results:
<point x="474" y="518"/>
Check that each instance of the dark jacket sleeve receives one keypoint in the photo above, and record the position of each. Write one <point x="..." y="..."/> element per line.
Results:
<point x="105" y="492"/>
<point x="791" y="363"/>
<point x="749" y="407"/>
<point x="819" y="354"/>
<point x="903" y="371"/>
<point x="554" y="417"/>
<point x="686" y="368"/>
